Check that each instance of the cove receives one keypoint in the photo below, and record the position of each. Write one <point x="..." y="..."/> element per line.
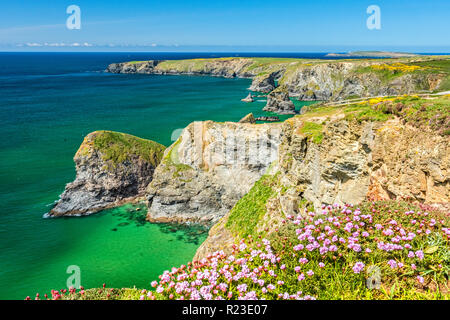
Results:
<point x="48" y="103"/>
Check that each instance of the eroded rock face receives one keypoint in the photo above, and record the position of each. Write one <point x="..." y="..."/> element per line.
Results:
<point x="278" y="101"/>
<point x="353" y="162"/>
<point x="133" y="67"/>
<point x="333" y="80"/>
<point x="264" y="83"/>
<point x="209" y="168"/>
<point x="371" y="160"/>
<point x="340" y="80"/>
<point x="103" y="182"/>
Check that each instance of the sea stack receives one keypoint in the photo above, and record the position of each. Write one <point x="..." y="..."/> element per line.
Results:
<point x="248" y="119"/>
<point x="249" y="98"/>
<point x="278" y="101"/>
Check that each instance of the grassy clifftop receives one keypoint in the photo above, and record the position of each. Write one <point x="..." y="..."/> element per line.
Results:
<point x="116" y="147"/>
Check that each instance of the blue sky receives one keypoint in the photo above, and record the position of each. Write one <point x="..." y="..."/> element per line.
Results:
<point x="244" y="25"/>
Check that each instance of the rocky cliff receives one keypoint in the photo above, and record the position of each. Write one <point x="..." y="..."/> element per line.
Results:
<point x="309" y="79"/>
<point x="111" y="168"/>
<point x="209" y="168"/>
<point x="378" y="149"/>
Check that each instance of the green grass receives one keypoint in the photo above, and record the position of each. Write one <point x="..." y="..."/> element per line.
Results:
<point x="116" y="147"/>
<point x="313" y="131"/>
<point x="250" y="209"/>
<point x="171" y="159"/>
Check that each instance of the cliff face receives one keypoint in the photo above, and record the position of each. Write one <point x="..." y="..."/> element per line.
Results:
<point x="111" y="168"/>
<point x="312" y="79"/>
<point x="339" y="155"/>
<point x="209" y="168"/>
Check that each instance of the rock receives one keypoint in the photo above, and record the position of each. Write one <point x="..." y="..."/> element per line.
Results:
<point x="304" y="110"/>
<point x="248" y="119"/>
<point x="330" y="80"/>
<point x="209" y="168"/>
<point x="371" y="160"/>
<point x="268" y="119"/>
<point x="249" y="98"/>
<point x="263" y="83"/>
<point x="278" y="101"/>
<point x="133" y="67"/>
<point x="353" y="162"/>
<point x="112" y="168"/>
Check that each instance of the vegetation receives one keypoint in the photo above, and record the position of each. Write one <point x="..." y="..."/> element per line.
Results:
<point x="379" y="250"/>
<point x="116" y="147"/>
<point x="249" y="210"/>
<point x="313" y="131"/>
<point x="171" y="159"/>
<point x="420" y="111"/>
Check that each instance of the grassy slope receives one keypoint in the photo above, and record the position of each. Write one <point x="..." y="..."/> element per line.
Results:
<point x="117" y="147"/>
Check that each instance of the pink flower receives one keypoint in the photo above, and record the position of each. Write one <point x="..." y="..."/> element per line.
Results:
<point x="419" y="254"/>
<point x="392" y="264"/>
<point x="301" y="277"/>
<point x="310" y="273"/>
<point x="420" y="279"/>
<point x="358" y="267"/>
<point x="321" y="264"/>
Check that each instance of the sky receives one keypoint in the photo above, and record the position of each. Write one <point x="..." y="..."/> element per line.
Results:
<point x="231" y="25"/>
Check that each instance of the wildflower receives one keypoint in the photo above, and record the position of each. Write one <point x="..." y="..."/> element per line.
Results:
<point x="310" y="273"/>
<point x="301" y="277"/>
<point x="419" y="254"/>
<point x="420" y="279"/>
<point x="321" y="264"/>
<point x="392" y="264"/>
<point x="358" y="267"/>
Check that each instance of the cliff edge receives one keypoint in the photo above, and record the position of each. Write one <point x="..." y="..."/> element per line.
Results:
<point x="111" y="168"/>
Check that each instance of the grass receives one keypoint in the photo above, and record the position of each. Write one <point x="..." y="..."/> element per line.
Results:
<point x="250" y="209"/>
<point x="313" y="131"/>
<point x="171" y="159"/>
<point x="117" y="147"/>
<point x="421" y="112"/>
<point x="289" y="269"/>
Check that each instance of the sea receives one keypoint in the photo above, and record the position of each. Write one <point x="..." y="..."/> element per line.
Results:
<point x="48" y="103"/>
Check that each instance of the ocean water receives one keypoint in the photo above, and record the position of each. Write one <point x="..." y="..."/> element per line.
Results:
<point x="48" y="103"/>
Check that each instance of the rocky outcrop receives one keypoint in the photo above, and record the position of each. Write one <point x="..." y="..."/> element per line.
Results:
<point x="111" y="168"/>
<point x="278" y="101"/>
<point x="133" y="67"/>
<point x="352" y="161"/>
<point x="309" y="80"/>
<point x="268" y="119"/>
<point x="264" y="83"/>
<point x="209" y="168"/>
<point x="371" y="160"/>
<point x="249" y="98"/>
<point x="248" y="119"/>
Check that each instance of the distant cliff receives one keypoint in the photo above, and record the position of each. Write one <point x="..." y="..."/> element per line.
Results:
<point x="111" y="167"/>
<point x="306" y="79"/>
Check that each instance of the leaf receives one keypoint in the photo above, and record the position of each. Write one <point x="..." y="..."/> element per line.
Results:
<point x="431" y="250"/>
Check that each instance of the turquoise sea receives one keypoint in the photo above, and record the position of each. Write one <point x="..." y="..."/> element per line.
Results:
<point x="48" y="103"/>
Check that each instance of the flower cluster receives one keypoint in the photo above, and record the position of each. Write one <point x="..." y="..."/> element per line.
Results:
<point x="329" y="254"/>
<point x="397" y="67"/>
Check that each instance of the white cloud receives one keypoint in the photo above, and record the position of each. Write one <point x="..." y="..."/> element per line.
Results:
<point x="33" y="44"/>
